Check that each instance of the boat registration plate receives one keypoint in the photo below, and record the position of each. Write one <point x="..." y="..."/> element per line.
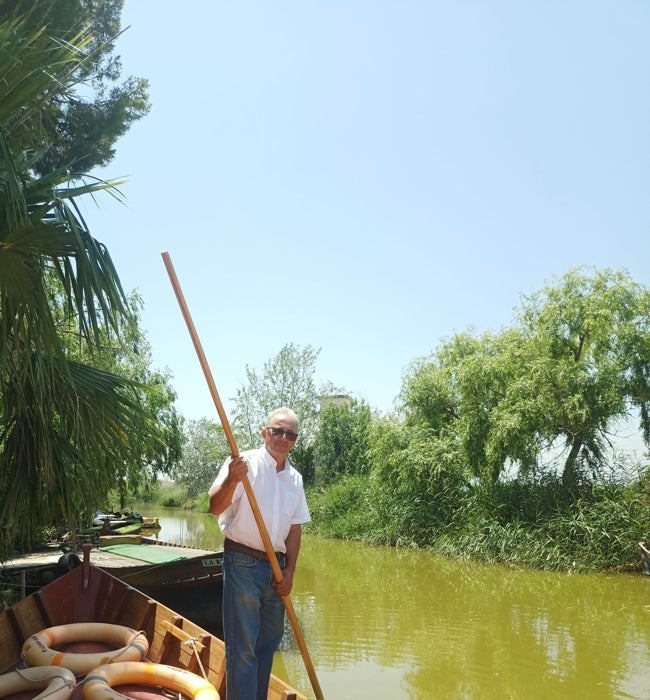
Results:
<point x="215" y="561"/>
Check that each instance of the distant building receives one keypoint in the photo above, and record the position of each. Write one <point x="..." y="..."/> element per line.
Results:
<point x="334" y="400"/>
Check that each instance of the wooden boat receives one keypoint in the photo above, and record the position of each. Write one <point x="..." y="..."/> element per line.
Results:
<point x="90" y="595"/>
<point x="113" y="520"/>
<point x="151" y="523"/>
<point x="186" y="579"/>
<point x="125" y="523"/>
<point x="146" y="561"/>
<point x="130" y="528"/>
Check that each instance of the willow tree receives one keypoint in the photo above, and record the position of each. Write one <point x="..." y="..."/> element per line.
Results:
<point x="548" y="393"/>
<point x="588" y="367"/>
<point x="57" y="414"/>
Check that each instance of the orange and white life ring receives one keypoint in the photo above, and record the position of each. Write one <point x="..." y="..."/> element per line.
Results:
<point x="58" y="683"/>
<point x="98" y="685"/>
<point x="40" y="649"/>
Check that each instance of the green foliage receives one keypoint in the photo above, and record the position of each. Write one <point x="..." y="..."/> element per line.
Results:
<point x="69" y="427"/>
<point x="575" y="364"/>
<point x="205" y="450"/>
<point x="541" y="526"/>
<point x="172" y="501"/>
<point x="344" y="509"/>
<point x="154" y="441"/>
<point x="409" y="461"/>
<point x="287" y="380"/>
<point x="545" y="526"/>
<point x="77" y="126"/>
<point x="591" y="336"/>
<point x="456" y="393"/>
<point x="410" y="495"/>
<point x="342" y="440"/>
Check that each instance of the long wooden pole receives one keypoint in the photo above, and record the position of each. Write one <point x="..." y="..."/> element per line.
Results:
<point x="268" y="546"/>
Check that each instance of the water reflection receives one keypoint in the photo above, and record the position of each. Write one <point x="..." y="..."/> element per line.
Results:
<point x="472" y="631"/>
<point x="387" y="623"/>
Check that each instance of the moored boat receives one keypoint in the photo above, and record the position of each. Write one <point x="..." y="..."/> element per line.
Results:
<point x="145" y="561"/>
<point x="114" y="520"/>
<point x="151" y="523"/>
<point x="119" y="523"/>
<point x="91" y="596"/>
<point x="184" y="578"/>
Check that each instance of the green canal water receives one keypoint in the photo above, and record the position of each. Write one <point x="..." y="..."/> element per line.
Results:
<point x="383" y="623"/>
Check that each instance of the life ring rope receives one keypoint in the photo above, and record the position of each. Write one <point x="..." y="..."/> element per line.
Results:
<point x="58" y="683"/>
<point x="98" y="685"/>
<point x="40" y="649"/>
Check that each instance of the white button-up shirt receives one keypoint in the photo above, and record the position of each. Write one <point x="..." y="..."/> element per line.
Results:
<point x="280" y="497"/>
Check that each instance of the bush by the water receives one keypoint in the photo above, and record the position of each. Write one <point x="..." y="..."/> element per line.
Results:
<point x="539" y="525"/>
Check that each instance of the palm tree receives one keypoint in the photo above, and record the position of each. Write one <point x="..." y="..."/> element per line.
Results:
<point x="63" y="422"/>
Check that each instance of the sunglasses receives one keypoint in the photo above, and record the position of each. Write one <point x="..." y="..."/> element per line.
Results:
<point x="279" y="432"/>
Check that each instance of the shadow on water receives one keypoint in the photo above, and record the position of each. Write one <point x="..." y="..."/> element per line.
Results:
<point x="387" y="623"/>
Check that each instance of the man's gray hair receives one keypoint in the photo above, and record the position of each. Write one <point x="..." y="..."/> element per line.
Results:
<point x="283" y="411"/>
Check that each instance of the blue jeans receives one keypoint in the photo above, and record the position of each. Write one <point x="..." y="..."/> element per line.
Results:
<point x="253" y="624"/>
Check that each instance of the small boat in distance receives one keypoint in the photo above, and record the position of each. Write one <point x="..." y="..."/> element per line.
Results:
<point x="94" y="598"/>
<point x="151" y="523"/>
<point x="113" y="520"/>
<point x="124" y="524"/>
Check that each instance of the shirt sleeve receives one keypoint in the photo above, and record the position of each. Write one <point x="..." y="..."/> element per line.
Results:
<point x="301" y="512"/>
<point x="221" y="477"/>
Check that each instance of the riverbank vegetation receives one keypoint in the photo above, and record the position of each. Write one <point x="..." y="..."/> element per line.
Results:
<point x="525" y="525"/>
<point x="506" y="447"/>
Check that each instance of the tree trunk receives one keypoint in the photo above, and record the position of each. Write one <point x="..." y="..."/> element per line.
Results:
<point x="569" y="475"/>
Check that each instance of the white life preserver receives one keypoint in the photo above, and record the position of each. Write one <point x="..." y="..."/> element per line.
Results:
<point x="58" y="683"/>
<point x="98" y="685"/>
<point x="40" y="649"/>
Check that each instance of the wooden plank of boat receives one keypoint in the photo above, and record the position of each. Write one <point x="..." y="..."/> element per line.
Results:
<point x="88" y="594"/>
<point x="147" y="564"/>
<point x="131" y="528"/>
<point x="186" y="579"/>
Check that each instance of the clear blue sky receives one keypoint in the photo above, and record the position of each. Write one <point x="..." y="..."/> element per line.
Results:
<point x="371" y="177"/>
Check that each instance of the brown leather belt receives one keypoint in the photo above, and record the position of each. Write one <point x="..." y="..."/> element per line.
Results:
<point x="232" y="546"/>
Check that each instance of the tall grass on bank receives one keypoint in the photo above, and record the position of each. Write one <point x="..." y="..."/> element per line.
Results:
<point x="540" y="526"/>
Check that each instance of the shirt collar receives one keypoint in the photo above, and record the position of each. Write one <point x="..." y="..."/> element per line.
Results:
<point x="269" y="461"/>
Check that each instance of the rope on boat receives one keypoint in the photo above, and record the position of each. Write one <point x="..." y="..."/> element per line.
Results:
<point x="128" y="646"/>
<point x="192" y="642"/>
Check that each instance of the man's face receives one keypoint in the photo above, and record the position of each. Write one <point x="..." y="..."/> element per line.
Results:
<point x="280" y="437"/>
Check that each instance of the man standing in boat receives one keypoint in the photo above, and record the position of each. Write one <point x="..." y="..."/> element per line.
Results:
<point x="253" y="610"/>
